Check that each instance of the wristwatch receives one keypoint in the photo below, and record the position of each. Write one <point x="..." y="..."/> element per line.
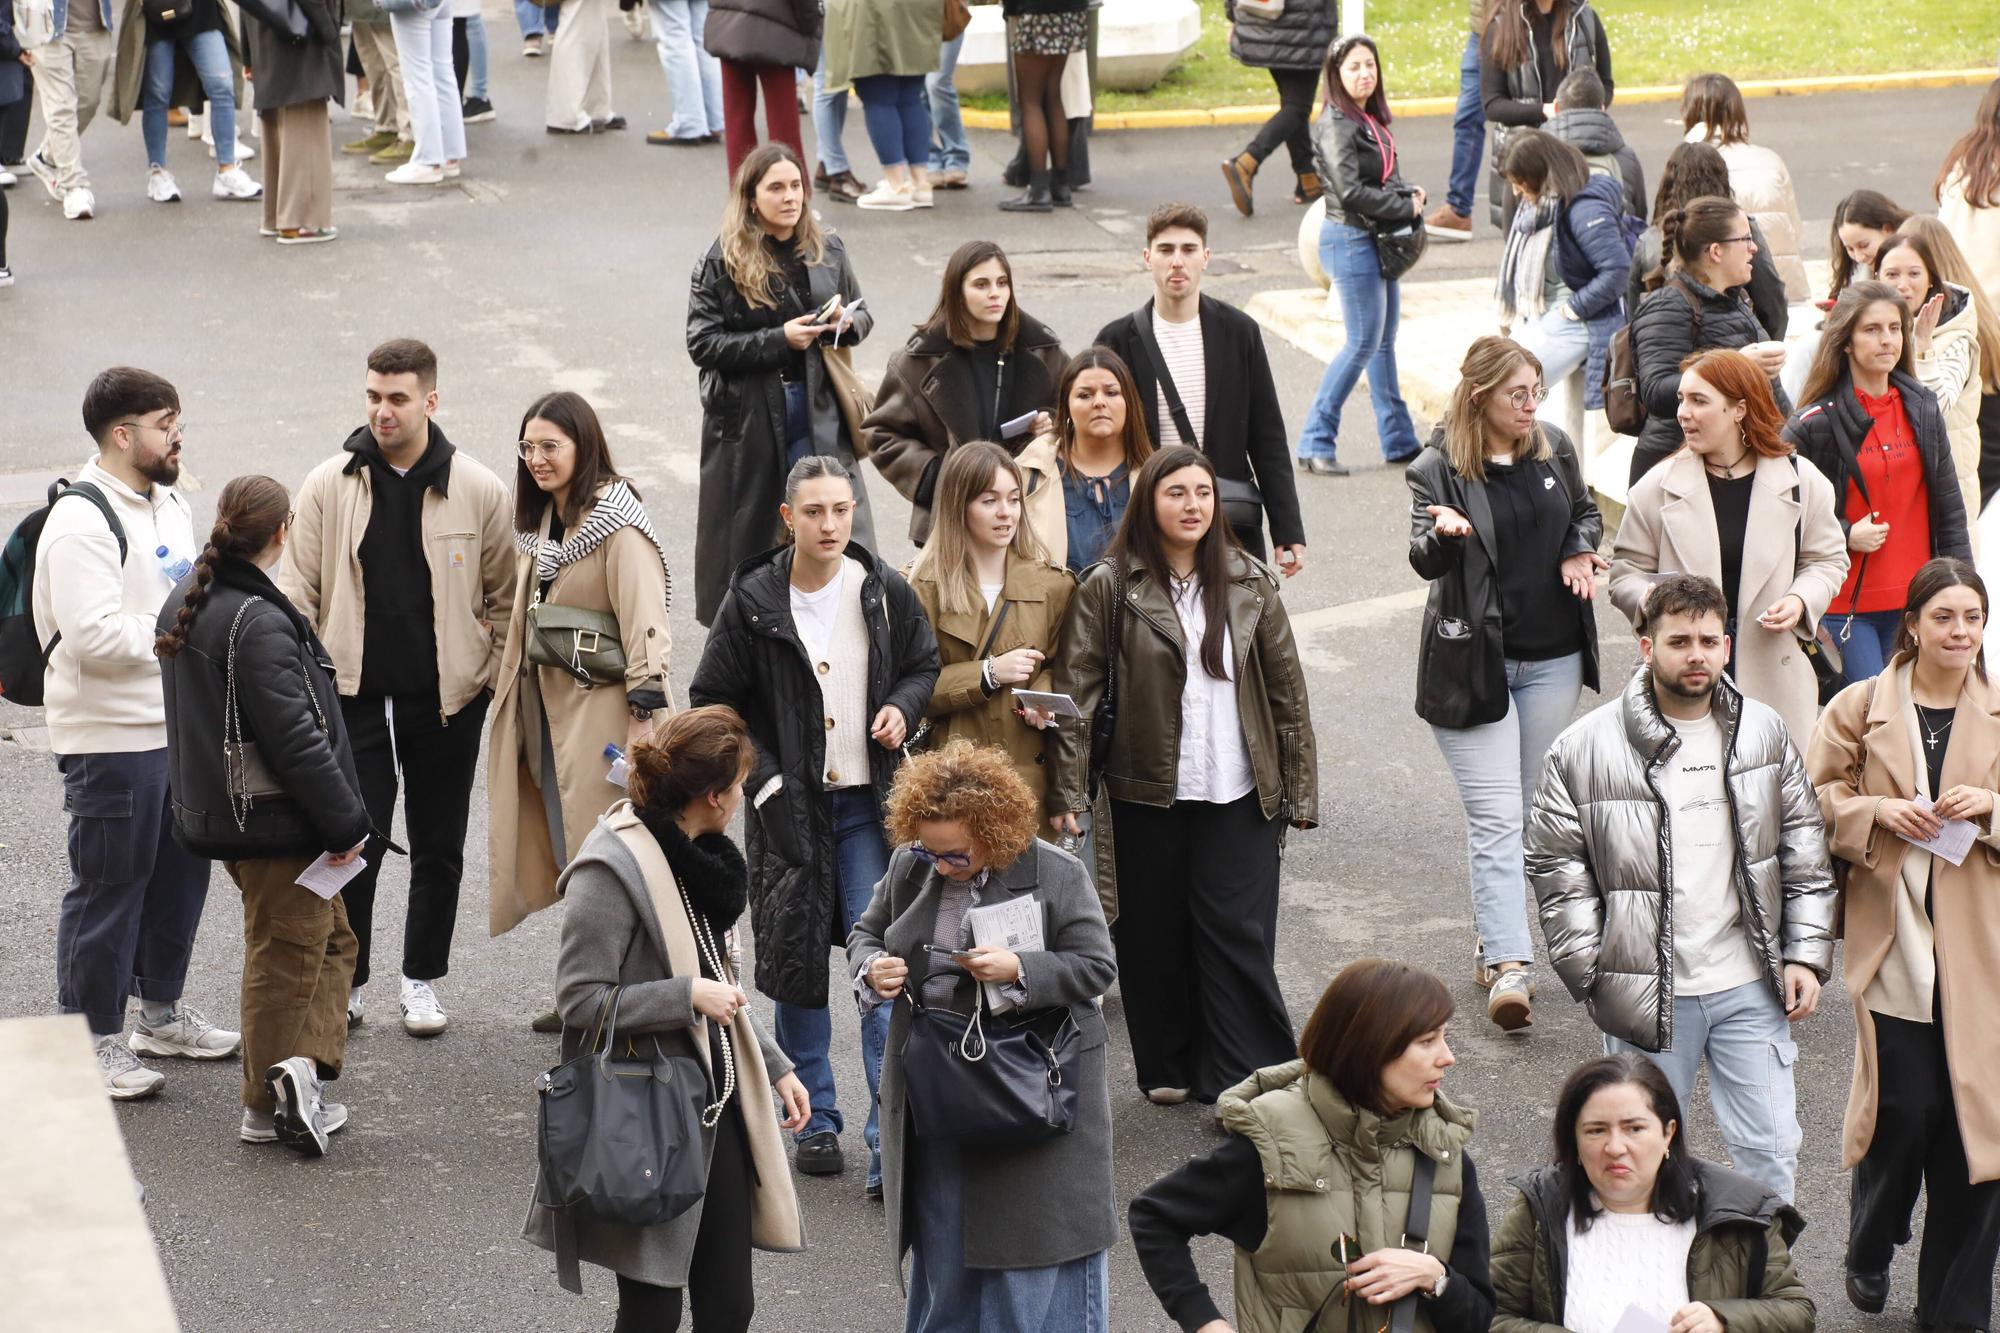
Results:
<point x="1437" y="1288"/>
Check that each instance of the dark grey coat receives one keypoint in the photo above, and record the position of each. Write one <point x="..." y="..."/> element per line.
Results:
<point x="1035" y="1204"/>
<point x="764" y="32"/>
<point x="289" y="75"/>
<point x="1296" y="39"/>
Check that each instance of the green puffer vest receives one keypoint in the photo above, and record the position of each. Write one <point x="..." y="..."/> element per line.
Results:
<point x="1332" y="1169"/>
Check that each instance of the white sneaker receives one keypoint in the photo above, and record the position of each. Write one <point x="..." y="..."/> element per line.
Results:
<point x="124" y="1077"/>
<point x="295" y="1084"/>
<point x="453" y="170"/>
<point x="888" y="198"/>
<point x="80" y="203"/>
<point x="6" y="276"/>
<point x="186" y="1033"/>
<point x="260" y="1128"/>
<point x="7" y="179"/>
<point x="422" y="1015"/>
<point x="920" y="196"/>
<point x="244" y="152"/>
<point x="235" y="183"/>
<point x="355" y="1018"/>
<point x="413" y="173"/>
<point x="161" y="187"/>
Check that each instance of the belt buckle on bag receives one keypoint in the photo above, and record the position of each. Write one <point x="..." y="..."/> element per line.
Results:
<point x="583" y="648"/>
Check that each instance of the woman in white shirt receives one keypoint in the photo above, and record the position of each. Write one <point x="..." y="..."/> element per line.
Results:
<point x="1626" y="1218"/>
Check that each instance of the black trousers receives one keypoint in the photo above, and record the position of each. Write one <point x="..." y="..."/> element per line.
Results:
<point x="1917" y="1147"/>
<point x="14" y="123"/>
<point x="1292" y="124"/>
<point x="437" y="758"/>
<point x="719" y="1276"/>
<point x="1989" y="439"/>
<point x="1197" y="940"/>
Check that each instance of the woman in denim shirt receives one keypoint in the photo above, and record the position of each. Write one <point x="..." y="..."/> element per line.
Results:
<point x="1097" y="445"/>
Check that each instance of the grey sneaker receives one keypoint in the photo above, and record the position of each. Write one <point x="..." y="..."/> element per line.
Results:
<point x="295" y="1083"/>
<point x="186" y="1033"/>
<point x="260" y="1128"/>
<point x="1508" y="1004"/>
<point x="124" y="1077"/>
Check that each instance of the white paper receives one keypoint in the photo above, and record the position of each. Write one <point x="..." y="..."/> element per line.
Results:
<point x="1953" y="841"/>
<point x="1016" y="926"/>
<point x="1059" y="704"/>
<point x="1019" y="425"/>
<point x="1636" y="1320"/>
<point x="327" y="880"/>
<point x="847" y="318"/>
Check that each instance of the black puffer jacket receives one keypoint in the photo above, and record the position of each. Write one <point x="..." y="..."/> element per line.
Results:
<point x="1594" y="134"/>
<point x="755" y="663"/>
<point x="1359" y="191"/>
<point x="1766" y="287"/>
<point x="1462" y="659"/>
<point x="1831" y="431"/>
<point x="1296" y="39"/>
<point x="288" y="710"/>
<point x="1663" y="336"/>
<point x="764" y="32"/>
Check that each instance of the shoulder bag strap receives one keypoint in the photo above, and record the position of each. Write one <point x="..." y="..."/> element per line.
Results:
<point x="1142" y="325"/>
<point x="993" y="631"/>
<point x="1416" y="1235"/>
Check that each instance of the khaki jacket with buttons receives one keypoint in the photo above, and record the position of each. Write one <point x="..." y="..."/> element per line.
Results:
<point x="468" y="531"/>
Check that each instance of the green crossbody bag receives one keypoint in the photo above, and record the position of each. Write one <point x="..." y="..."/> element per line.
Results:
<point x="582" y="643"/>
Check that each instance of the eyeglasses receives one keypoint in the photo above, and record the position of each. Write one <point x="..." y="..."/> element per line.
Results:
<point x="1522" y="397"/>
<point x="956" y="860"/>
<point x="291" y="516"/>
<point x="173" y="432"/>
<point x="1736" y="240"/>
<point x="547" y="450"/>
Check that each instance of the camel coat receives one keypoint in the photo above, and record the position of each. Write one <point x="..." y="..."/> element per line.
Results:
<point x="1048" y="512"/>
<point x="625" y="577"/>
<point x="1669" y="525"/>
<point x="1861" y="753"/>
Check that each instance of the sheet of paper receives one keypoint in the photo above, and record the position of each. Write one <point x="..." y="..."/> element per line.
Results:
<point x="1018" y="426"/>
<point x="1636" y="1320"/>
<point x="1953" y="841"/>
<point x="327" y="880"/>
<point x="1015" y="925"/>
<point x="1059" y="704"/>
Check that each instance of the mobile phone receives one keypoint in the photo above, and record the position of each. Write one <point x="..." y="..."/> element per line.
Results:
<point x="959" y="954"/>
<point x="820" y="315"/>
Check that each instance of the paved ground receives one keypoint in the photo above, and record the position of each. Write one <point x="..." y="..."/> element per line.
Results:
<point x="562" y="263"/>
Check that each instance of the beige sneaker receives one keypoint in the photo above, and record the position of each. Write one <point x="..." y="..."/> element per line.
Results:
<point x="1446" y="223"/>
<point x="888" y="198"/>
<point x="1509" y="1003"/>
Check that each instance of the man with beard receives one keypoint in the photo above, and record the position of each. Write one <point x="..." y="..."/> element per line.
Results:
<point x="1679" y="856"/>
<point x="128" y="921"/>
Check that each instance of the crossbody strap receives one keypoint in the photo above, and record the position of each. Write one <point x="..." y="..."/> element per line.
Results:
<point x="993" y="632"/>
<point x="1143" y="326"/>
<point x="1416" y="1229"/>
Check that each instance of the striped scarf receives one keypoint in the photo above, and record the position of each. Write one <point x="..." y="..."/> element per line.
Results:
<point x="616" y="508"/>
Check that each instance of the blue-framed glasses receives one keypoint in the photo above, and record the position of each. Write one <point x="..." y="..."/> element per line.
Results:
<point x="955" y="860"/>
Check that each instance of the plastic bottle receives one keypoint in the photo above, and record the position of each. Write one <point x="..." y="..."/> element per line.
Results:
<point x="175" y="567"/>
<point x="621" y="771"/>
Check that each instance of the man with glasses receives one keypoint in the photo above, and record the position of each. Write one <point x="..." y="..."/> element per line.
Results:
<point x="128" y="921"/>
<point x="402" y="557"/>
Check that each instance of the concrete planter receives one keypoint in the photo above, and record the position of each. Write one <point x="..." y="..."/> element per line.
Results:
<point x="1138" y="41"/>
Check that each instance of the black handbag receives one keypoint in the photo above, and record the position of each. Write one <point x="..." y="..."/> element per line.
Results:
<point x="1362" y="1317"/>
<point x="1397" y="249"/>
<point x="979" y="1079"/>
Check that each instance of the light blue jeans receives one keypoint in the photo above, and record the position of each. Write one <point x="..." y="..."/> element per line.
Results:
<point x="1561" y="345"/>
<point x="437" y="118"/>
<point x="534" y="20"/>
<point x="1867" y="641"/>
<point x="475" y="57"/>
<point x="829" y="121"/>
<point x="209" y="55"/>
<point x="1751" y="1055"/>
<point x="951" y="150"/>
<point x="1369" y="310"/>
<point x="1497" y="767"/>
<point x="694" y="77"/>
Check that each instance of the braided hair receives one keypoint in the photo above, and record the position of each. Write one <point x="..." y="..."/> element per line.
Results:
<point x="247" y="518"/>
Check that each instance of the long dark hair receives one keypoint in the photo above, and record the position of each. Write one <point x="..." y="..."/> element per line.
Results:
<point x="1976" y="156"/>
<point x="1377" y="105"/>
<point x="1139" y="543"/>
<point x="1674" y="1187"/>
<point x="1542" y="164"/>
<point x="570" y="414"/>
<point x="1138" y="442"/>
<point x="1863" y="208"/>
<point x="1692" y="170"/>
<point x="950" y="318"/>
<point x="1836" y="337"/>
<point x="1921" y="248"/>
<point x="1947" y="571"/>
<point x="248" y="515"/>
<point x="1508" y="39"/>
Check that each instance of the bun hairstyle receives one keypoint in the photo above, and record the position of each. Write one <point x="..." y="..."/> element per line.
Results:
<point x="1688" y="231"/>
<point x="247" y="518"/>
<point x="696" y="753"/>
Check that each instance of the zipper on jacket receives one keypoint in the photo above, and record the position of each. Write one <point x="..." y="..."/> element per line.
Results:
<point x="1665" y="1021"/>
<point x="1746" y="901"/>
<point x="999" y="384"/>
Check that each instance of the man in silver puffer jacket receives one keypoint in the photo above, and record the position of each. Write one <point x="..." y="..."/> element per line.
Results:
<point x="1679" y="857"/>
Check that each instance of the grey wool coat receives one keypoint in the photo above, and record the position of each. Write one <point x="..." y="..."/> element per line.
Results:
<point x="1029" y="1205"/>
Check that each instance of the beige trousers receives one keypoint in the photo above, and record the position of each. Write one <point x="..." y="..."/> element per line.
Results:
<point x="298" y="167"/>
<point x="580" y="67"/>
<point x="375" y="43"/>
<point x="72" y="75"/>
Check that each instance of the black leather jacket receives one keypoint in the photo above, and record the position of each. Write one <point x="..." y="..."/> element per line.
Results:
<point x="1358" y="192"/>
<point x="1830" y="432"/>
<point x="1462" y="658"/>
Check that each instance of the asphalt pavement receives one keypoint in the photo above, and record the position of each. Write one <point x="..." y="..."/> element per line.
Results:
<point x="563" y="263"/>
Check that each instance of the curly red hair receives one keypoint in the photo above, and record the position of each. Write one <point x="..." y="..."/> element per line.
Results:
<point x="975" y="785"/>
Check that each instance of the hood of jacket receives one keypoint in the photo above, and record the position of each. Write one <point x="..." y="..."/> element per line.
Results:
<point x="1588" y="130"/>
<point x="1438" y="1129"/>
<point x="433" y="469"/>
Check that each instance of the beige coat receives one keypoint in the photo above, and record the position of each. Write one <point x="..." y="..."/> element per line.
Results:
<point x="1046" y="512"/>
<point x="1670" y="527"/>
<point x="1860" y="754"/>
<point x="468" y="530"/>
<point x="1762" y="184"/>
<point x="1950" y="369"/>
<point x="1977" y="231"/>
<point x="623" y="576"/>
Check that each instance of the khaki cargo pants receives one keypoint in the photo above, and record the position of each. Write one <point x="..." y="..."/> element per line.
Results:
<point x="298" y="958"/>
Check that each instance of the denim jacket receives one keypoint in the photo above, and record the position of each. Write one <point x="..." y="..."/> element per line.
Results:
<point x="62" y="15"/>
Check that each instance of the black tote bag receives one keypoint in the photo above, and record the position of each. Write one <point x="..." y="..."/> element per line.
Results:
<point x="979" y="1079"/>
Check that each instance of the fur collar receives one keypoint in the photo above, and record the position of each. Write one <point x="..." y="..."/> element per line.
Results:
<point x="710" y="868"/>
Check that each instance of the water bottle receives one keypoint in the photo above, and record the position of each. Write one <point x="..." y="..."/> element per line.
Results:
<point x="621" y="771"/>
<point x="175" y="567"/>
<point x="1069" y="842"/>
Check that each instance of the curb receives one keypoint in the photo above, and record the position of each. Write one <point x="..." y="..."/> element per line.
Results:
<point x="1444" y="106"/>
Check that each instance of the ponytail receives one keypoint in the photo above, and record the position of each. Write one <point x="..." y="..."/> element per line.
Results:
<point x="247" y="518"/>
<point x="1687" y="232"/>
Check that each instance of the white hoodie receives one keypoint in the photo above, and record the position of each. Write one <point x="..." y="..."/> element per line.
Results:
<point x="102" y="688"/>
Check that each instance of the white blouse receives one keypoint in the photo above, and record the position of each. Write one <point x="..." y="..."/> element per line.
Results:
<point x="1625" y="1259"/>
<point x="1214" y="761"/>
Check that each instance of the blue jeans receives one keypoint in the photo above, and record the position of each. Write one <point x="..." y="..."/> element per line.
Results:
<point x="1750" y="1050"/>
<point x="1497" y="767"/>
<point x="947" y="1297"/>
<point x="694" y="77"/>
<point x="1468" y="131"/>
<point x="534" y="20"/>
<point x="898" y="116"/>
<point x="475" y="57"/>
<point x="1370" y="309"/>
<point x="1562" y="345"/>
<point x="829" y="121"/>
<point x="1867" y="641"/>
<point x="951" y="151"/>
<point x="437" y="118"/>
<point x="210" y="57"/>
<point x="798" y="424"/>
<point x="862" y="858"/>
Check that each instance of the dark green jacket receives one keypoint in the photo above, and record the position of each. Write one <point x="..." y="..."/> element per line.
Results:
<point x="1739" y="1227"/>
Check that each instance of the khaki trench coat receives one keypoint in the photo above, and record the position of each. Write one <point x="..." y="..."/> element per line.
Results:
<point x="1861" y="753"/>
<point x="625" y="577"/>
<point x="1669" y="525"/>
<point x="1036" y="597"/>
<point x="865" y="37"/>
<point x="128" y="83"/>
<point x="1048" y="512"/>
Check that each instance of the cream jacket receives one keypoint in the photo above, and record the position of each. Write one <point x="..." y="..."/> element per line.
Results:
<point x="1950" y="369"/>
<point x="1977" y="231"/>
<point x="1762" y="184"/>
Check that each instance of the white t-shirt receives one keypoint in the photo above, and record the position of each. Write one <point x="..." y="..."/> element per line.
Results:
<point x="1712" y="950"/>
<point x="1180" y="345"/>
<point x="1625" y="1259"/>
<point x="813" y="613"/>
<point x="1214" y="760"/>
<point x="991" y="592"/>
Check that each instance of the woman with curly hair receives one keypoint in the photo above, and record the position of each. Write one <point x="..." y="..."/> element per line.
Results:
<point x="1008" y="1234"/>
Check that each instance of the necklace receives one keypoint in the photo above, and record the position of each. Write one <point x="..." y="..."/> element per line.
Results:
<point x="1728" y="472"/>
<point x="1924" y="715"/>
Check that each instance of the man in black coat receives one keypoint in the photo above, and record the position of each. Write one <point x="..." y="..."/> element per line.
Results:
<point x="1230" y="404"/>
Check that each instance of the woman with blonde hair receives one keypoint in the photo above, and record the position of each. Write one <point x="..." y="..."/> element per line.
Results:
<point x="997" y="606"/>
<point x="1505" y="530"/>
<point x="1954" y="266"/>
<point x="771" y="298"/>
<point x="1736" y="507"/>
<point x="1713" y="112"/>
<point x="1947" y="343"/>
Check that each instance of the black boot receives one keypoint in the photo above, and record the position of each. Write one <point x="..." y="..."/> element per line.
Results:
<point x="1036" y="200"/>
<point x="1059" y="194"/>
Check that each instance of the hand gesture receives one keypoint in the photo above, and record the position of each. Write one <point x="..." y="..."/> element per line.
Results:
<point x="1973" y="803"/>
<point x="802" y="332"/>
<point x="1390" y="1275"/>
<point x="988" y="964"/>
<point x="1016" y="667"/>
<point x="718" y="1000"/>
<point x="1801" y="991"/>
<point x="1925" y="324"/>
<point x="1784" y="613"/>
<point x="1867" y="534"/>
<point x="798" y="1106"/>
<point x="1579" y="573"/>
<point x="1907" y="819"/>
<point x="889" y="727"/>
<point x="1450" y="523"/>
<point x="1291" y="559"/>
<point x="886" y="974"/>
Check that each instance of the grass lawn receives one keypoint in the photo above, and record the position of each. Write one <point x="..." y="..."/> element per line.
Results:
<point x="1652" y="42"/>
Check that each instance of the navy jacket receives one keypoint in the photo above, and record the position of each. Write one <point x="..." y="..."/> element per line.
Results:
<point x="13" y="74"/>
<point x="1591" y="252"/>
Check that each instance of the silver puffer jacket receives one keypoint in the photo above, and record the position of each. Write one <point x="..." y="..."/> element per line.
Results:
<point x="1601" y="859"/>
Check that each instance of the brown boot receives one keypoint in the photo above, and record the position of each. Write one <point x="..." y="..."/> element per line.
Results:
<point x="1309" y="188"/>
<point x="1239" y="171"/>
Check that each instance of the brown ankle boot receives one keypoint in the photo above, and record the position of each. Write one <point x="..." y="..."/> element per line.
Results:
<point x="1309" y="188"/>
<point x="1239" y="171"/>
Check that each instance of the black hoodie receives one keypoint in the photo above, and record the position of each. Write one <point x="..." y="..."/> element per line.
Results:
<point x="399" y="632"/>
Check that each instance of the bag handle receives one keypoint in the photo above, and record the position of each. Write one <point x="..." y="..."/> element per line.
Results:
<point x="1157" y="363"/>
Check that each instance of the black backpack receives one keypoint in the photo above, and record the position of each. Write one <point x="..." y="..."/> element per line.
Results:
<point x="23" y="656"/>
